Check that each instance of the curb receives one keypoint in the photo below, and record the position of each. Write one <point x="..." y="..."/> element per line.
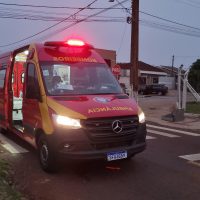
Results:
<point x="192" y="115"/>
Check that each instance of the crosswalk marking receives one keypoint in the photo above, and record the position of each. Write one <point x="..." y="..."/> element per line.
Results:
<point x="11" y="146"/>
<point x="150" y="137"/>
<point x="162" y="133"/>
<point x="174" y="130"/>
<point x="191" y="157"/>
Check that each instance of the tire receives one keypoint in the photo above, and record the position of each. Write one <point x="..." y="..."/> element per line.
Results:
<point x="47" y="156"/>
<point x="130" y="157"/>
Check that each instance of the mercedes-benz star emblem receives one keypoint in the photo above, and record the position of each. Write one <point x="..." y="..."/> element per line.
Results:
<point x="117" y="126"/>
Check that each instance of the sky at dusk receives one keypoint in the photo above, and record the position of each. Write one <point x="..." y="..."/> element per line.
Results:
<point x="167" y="27"/>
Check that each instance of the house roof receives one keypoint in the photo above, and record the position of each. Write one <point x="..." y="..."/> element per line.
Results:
<point x="142" y="66"/>
<point x="168" y="69"/>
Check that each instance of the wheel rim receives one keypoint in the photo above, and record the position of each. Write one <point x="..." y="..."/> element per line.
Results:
<point x="44" y="154"/>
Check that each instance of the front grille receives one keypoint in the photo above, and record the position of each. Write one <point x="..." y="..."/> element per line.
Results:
<point x="101" y="146"/>
<point x="99" y="130"/>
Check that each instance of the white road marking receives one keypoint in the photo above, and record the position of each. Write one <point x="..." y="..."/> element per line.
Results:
<point x="150" y="137"/>
<point x="194" y="163"/>
<point x="191" y="157"/>
<point x="11" y="146"/>
<point x="162" y="133"/>
<point x="174" y="130"/>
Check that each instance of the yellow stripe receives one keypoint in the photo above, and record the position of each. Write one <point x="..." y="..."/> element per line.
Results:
<point x="46" y="119"/>
<point x="62" y="110"/>
<point x="47" y="125"/>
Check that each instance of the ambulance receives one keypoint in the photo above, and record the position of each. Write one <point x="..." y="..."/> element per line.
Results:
<point x="62" y="98"/>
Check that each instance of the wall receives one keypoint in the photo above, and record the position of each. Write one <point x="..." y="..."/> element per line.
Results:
<point x="168" y="81"/>
<point x="108" y="55"/>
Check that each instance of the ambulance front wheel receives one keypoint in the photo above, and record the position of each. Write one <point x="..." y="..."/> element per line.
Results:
<point x="3" y="131"/>
<point x="47" y="156"/>
<point x="130" y="157"/>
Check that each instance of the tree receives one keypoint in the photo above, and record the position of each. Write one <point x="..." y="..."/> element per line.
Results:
<point x="194" y="75"/>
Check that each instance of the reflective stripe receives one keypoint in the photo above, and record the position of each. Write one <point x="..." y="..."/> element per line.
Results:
<point x="62" y="110"/>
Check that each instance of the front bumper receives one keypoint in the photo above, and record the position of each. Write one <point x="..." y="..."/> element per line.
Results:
<point x="75" y="144"/>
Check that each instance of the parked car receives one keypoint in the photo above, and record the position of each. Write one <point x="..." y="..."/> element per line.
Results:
<point x="160" y="89"/>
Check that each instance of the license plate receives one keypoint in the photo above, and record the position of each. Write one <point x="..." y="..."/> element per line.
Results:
<point x="116" y="155"/>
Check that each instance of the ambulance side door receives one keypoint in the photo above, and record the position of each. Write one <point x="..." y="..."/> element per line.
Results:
<point x="2" y="95"/>
<point x="30" y="109"/>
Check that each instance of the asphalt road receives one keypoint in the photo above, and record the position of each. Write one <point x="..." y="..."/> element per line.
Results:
<point x="156" y="174"/>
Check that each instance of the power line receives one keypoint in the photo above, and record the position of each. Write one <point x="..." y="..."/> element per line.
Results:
<point x="160" y="18"/>
<point x="192" y="31"/>
<point x="127" y="10"/>
<point x="165" y="27"/>
<point x="84" y="19"/>
<point x="62" y="29"/>
<point x="54" y="7"/>
<point x="167" y="20"/>
<point x="49" y="13"/>
<point x="70" y="20"/>
<point x="148" y="23"/>
<point x="122" y="38"/>
<point x="170" y="28"/>
<point x="13" y="15"/>
<point x="46" y="29"/>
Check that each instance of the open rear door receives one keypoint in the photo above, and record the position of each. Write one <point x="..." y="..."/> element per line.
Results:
<point x="2" y="97"/>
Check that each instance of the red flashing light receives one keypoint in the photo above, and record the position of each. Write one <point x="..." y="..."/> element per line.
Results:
<point x="68" y="43"/>
<point x="77" y="43"/>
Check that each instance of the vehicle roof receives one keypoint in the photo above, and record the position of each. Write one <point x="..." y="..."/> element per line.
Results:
<point x="47" y="53"/>
<point x="50" y="52"/>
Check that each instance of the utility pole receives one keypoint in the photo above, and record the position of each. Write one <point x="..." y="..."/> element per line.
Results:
<point x="172" y="74"/>
<point x="179" y="87"/>
<point x="134" y="48"/>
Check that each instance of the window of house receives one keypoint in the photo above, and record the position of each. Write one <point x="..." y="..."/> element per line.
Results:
<point x="123" y="72"/>
<point x="155" y="80"/>
<point x="128" y="72"/>
<point x="142" y="80"/>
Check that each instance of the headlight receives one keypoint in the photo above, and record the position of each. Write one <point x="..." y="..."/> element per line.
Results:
<point x="141" y="116"/>
<point x="67" y="121"/>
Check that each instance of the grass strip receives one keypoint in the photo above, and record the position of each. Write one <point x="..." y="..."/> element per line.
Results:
<point x="193" y="107"/>
<point x="7" y="191"/>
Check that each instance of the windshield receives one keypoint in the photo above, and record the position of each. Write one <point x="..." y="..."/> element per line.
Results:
<point x="78" y="78"/>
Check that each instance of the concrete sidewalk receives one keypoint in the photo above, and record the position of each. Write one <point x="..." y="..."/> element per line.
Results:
<point x="157" y="106"/>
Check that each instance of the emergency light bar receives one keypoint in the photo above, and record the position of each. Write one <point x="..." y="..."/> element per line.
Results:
<point x="77" y="43"/>
<point x="68" y="43"/>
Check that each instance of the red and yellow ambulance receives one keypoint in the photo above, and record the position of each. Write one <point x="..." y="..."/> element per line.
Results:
<point x="62" y="98"/>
